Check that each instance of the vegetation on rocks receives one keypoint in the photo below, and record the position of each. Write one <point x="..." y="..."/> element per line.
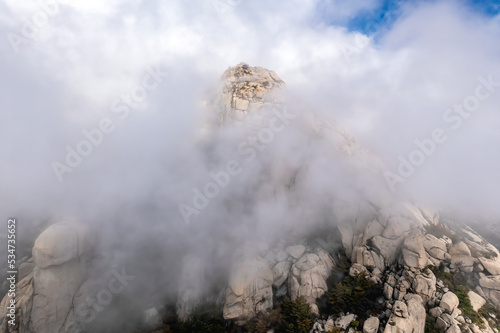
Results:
<point x="296" y="316"/>
<point x="355" y="294"/>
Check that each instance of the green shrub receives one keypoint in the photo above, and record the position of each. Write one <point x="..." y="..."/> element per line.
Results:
<point x="350" y="294"/>
<point x="201" y="325"/>
<point x="296" y="316"/>
<point x="430" y="325"/>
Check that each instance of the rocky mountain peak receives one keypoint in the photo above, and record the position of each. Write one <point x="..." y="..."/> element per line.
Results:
<point x="378" y="263"/>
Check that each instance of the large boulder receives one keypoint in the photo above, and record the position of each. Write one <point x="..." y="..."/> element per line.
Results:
<point x="476" y="301"/>
<point x="424" y="284"/>
<point x="371" y="325"/>
<point x="449" y="302"/>
<point x="249" y="291"/>
<point x="491" y="265"/>
<point x="407" y="317"/>
<point x="436" y="247"/>
<point x="413" y="250"/>
<point x="308" y="276"/>
<point x="60" y="243"/>
<point x="46" y="296"/>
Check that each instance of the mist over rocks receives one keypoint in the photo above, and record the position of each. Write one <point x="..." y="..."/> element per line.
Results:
<point x="307" y="205"/>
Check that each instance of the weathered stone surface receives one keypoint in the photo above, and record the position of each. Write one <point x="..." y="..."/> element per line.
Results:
<point x="449" y="302"/>
<point x="249" y="291"/>
<point x="246" y="90"/>
<point x="436" y="312"/>
<point x="356" y="269"/>
<point x="490" y="282"/>
<point x="280" y="273"/>
<point x="491" y="265"/>
<point x="387" y="248"/>
<point x="60" y="243"/>
<point x="330" y="324"/>
<point x="344" y="321"/>
<point x="424" y="284"/>
<point x="296" y="251"/>
<point x="371" y="325"/>
<point x="413" y="250"/>
<point x="459" y="249"/>
<point x="49" y="281"/>
<point x="475" y="300"/>
<point x="374" y="228"/>
<point x="24" y="304"/>
<point x="388" y="291"/>
<point x="397" y="226"/>
<point x="454" y="328"/>
<point x="308" y="276"/>
<point x="436" y="247"/>
<point x="399" y="309"/>
<point x="413" y="323"/>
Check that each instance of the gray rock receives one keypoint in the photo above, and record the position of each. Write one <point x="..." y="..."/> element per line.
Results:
<point x="280" y="273"/>
<point x="434" y="246"/>
<point x="425" y="284"/>
<point x="296" y="251"/>
<point x="60" y="243"/>
<point x="308" y="276"/>
<point x="413" y="250"/>
<point x="491" y="265"/>
<point x="388" y="291"/>
<point x="454" y="328"/>
<point x="449" y="302"/>
<point x="436" y="311"/>
<point x="371" y="325"/>
<point x="459" y="249"/>
<point x="249" y="291"/>
<point x="344" y="321"/>
<point x="476" y="301"/>
<point x="356" y="269"/>
<point x="330" y="324"/>
<point x="399" y="309"/>
<point x="413" y="323"/>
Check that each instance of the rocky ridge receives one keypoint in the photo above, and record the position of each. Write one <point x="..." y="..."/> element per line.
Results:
<point x="412" y="253"/>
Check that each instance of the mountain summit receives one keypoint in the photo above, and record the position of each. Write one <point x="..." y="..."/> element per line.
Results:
<point x="315" y="242"/>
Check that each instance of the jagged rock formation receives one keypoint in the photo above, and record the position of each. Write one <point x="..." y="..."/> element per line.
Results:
<point x="408" y="250"/>
<point x="250" y="289"/>
<point x="247" y="89"/>
<point x="49" y="281"/>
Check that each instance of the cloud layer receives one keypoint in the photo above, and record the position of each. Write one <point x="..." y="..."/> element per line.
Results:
<point x="67" y="67"/>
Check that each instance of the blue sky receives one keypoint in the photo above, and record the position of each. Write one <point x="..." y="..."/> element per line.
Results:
<point x="371" y="22"/>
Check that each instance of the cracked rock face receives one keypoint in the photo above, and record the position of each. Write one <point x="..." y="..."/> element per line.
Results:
<point x="249" y="291"/>
<point x="46" y="295"/>
<point x="247" y="89"/>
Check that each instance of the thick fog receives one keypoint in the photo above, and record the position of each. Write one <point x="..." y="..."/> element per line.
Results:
<point x="68" y="70"/>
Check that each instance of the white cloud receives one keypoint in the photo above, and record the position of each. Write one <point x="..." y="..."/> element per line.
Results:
<point x="388" y="93"/>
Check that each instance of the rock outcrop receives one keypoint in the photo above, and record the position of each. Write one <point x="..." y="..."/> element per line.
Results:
<point x="407" y="250"/>
<point x="249" y="291"/>
<point x="46" y="296"/>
